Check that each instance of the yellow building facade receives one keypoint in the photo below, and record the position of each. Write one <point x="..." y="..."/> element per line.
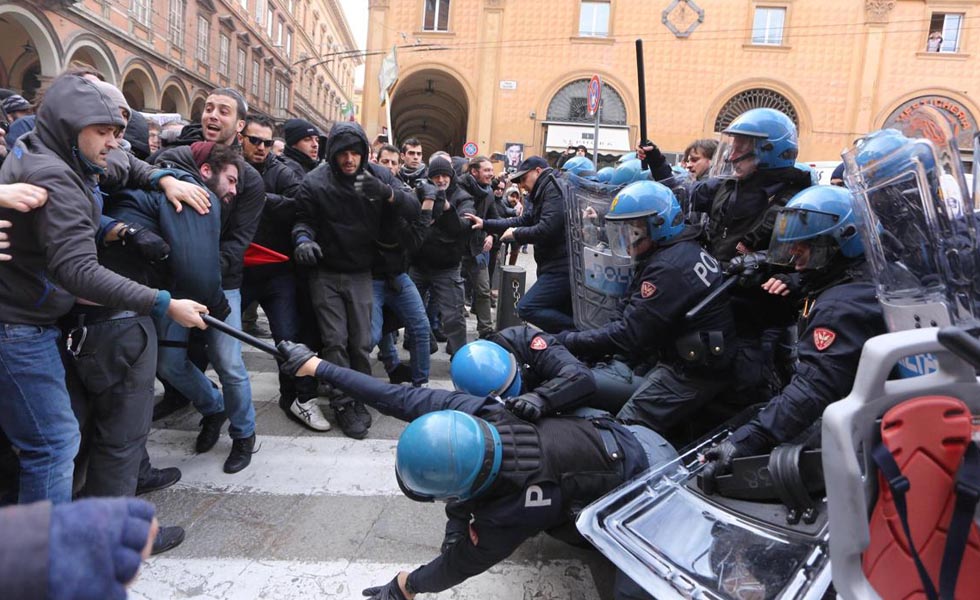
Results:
<point x="287" y="57"/>
<point x="514" y="73"/>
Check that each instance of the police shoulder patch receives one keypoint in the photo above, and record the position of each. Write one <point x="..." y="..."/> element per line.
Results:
<point x="538" y="343"/>
<point x="647" y="289"/>
<point x="823" y="338"/>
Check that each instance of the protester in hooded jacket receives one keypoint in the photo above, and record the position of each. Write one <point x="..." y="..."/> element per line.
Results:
<point x="340" y="208"/>
<point x="55" y="260"/>
<point x="474" y="196"/>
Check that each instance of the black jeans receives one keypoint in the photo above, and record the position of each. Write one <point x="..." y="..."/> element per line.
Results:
<point x="277" y="295"/>
<point x="111" y="386"/>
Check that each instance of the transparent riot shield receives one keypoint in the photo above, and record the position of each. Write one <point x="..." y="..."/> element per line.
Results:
<point x="917" y="222"/>
<point x="675" y="542"/>
<point x="598" y="278"/>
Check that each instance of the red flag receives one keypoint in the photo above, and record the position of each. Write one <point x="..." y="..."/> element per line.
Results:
<point x="256" y="255"/>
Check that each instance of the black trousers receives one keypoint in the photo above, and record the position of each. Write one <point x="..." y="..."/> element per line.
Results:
<point x="111" y="386"/>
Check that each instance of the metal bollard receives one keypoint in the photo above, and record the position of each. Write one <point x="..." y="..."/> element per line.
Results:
<point x="512" y="282"/>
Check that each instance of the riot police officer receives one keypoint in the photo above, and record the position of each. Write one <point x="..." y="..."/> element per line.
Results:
<point x="533" y="374"/>
<point x="817" y="234"/>
<point x="752" y="176"/>
<point x="504" y="479"/>
<point x="673" y="273"/>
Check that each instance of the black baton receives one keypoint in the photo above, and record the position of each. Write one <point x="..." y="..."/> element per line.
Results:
<point x="721" y="289"/>
<point x="242" y="336"/>
<point x="642" y="86"/>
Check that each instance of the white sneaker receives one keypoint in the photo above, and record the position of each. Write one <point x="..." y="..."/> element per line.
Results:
<point x="308" y="413"/>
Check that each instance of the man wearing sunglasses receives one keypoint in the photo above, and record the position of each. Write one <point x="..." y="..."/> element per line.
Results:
<point x="273" y="285"/>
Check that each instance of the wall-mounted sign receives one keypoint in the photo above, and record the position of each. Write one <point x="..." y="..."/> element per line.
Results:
<point x="611" y="139"/>
<point x="508" y="84"/>
<point x="964" y="124"/>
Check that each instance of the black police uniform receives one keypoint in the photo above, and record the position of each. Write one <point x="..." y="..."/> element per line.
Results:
<point x="548" y="369"/>
<point x="837" y="320"/>
<point x="550" y="471"/>
<point x="694" y="356"/>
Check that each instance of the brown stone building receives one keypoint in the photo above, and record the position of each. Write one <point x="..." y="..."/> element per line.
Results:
<point x="288" y="57"/>
<point x="513" y="73"/>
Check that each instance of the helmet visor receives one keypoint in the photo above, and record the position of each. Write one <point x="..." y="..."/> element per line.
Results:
<point x="803" y="239"/>
<point x="625" y="237"/>
<point x="736" y="157"/>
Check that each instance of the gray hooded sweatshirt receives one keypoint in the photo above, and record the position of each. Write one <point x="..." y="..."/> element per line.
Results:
<point x="53" y="247"/>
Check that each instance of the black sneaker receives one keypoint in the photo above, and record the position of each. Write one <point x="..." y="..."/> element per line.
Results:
<point x="210" y="431"/>
<point x="241" y="454"/>
<point x="158" y="479"/>
<point x="402" y="373"/>
<point x="363" y="413"/>
<point x="167" y="538"/>
<point x="439" y="335"/>
<point x="349" y="421"/>
<point x="433" y="346"/>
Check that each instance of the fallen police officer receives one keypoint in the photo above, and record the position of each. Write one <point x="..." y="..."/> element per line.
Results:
<point x="504" y="479"/>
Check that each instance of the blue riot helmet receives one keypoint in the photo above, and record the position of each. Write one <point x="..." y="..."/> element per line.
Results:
<point x="447" y="455"/>
<point x="645" y="210"/>
<point x="816" y="226"/>
<point x="579" y="165"/>
<point x="814" y="175"/>
<point x="626" y="157"/>
<point x="626" y="172"/>
<point x="483" y="368"/>
<point x="604" y="175"/>
<point x="759" y="139"/>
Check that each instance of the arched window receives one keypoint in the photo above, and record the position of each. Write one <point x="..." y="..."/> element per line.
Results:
<point x="754" y="98"/>
<point x="570" y="105"/>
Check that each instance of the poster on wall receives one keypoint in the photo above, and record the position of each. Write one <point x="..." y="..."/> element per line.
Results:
<point x="514" y="153"/>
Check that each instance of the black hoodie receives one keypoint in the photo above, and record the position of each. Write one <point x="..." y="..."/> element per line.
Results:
<point x="53" y="247"/>
<point x="239" y="219"/>
<point x="331" y="213"/>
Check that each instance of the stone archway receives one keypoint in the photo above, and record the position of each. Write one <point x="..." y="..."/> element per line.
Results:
<point x="197" y="109"/>
<point x="431" y="105"/>
<point x="92" y="52"/>
<point x="140" y="90"/>
<point x="30" y="48"/>
<point x="174" y="99"/>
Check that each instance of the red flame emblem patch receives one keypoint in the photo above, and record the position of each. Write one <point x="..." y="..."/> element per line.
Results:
<point x="538" y="343"/>
<point x="647" y="289"/>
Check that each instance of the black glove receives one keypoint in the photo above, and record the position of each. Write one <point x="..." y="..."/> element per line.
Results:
<point x="529" y="407"/>
<point x="425" y="190"/>
<point x="221" y="310"/>
<point x="652" y="154"/>
<point x="719" y="459"/>
<point x="751" y="269"/>
<point x="391" y="591"/>
<point x="561" y="336"/>
<point x="150" y="246"/>
<point x="308" y="253"/>
<point x="293" y="356"/>
<point x="371" y="187"/>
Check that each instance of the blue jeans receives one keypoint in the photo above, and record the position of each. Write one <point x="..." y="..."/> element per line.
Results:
<point x="548" y="304"/>
<point x="407" y="305"/>
<point x="35" y="411"/>
<point x="225" y="355"/>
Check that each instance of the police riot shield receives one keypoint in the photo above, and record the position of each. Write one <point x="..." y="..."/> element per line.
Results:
<point x="598" y="277"/>
<point x="917" y="223"/>
<point x="675" y="542"/>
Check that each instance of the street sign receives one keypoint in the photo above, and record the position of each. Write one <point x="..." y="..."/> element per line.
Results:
<point x="595" y="92"/>
<point x="470" y="149"/>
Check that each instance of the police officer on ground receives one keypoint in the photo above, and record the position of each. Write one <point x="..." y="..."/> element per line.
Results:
<point x="816" y="233"/>
<point x="529" y="370"/>
<point x="504" y="479"/>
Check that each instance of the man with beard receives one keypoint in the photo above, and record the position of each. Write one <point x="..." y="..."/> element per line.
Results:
<point x="223" y="118"/>
<point x="302" y="150"/>
<point x="474" y="197"/>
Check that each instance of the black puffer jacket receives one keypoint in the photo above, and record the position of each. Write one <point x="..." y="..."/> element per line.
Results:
<point x="298" y="162"/>
<point x="442" y="247"/>
<point x="279" y="214"/>
<point x="331" y="213"/>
